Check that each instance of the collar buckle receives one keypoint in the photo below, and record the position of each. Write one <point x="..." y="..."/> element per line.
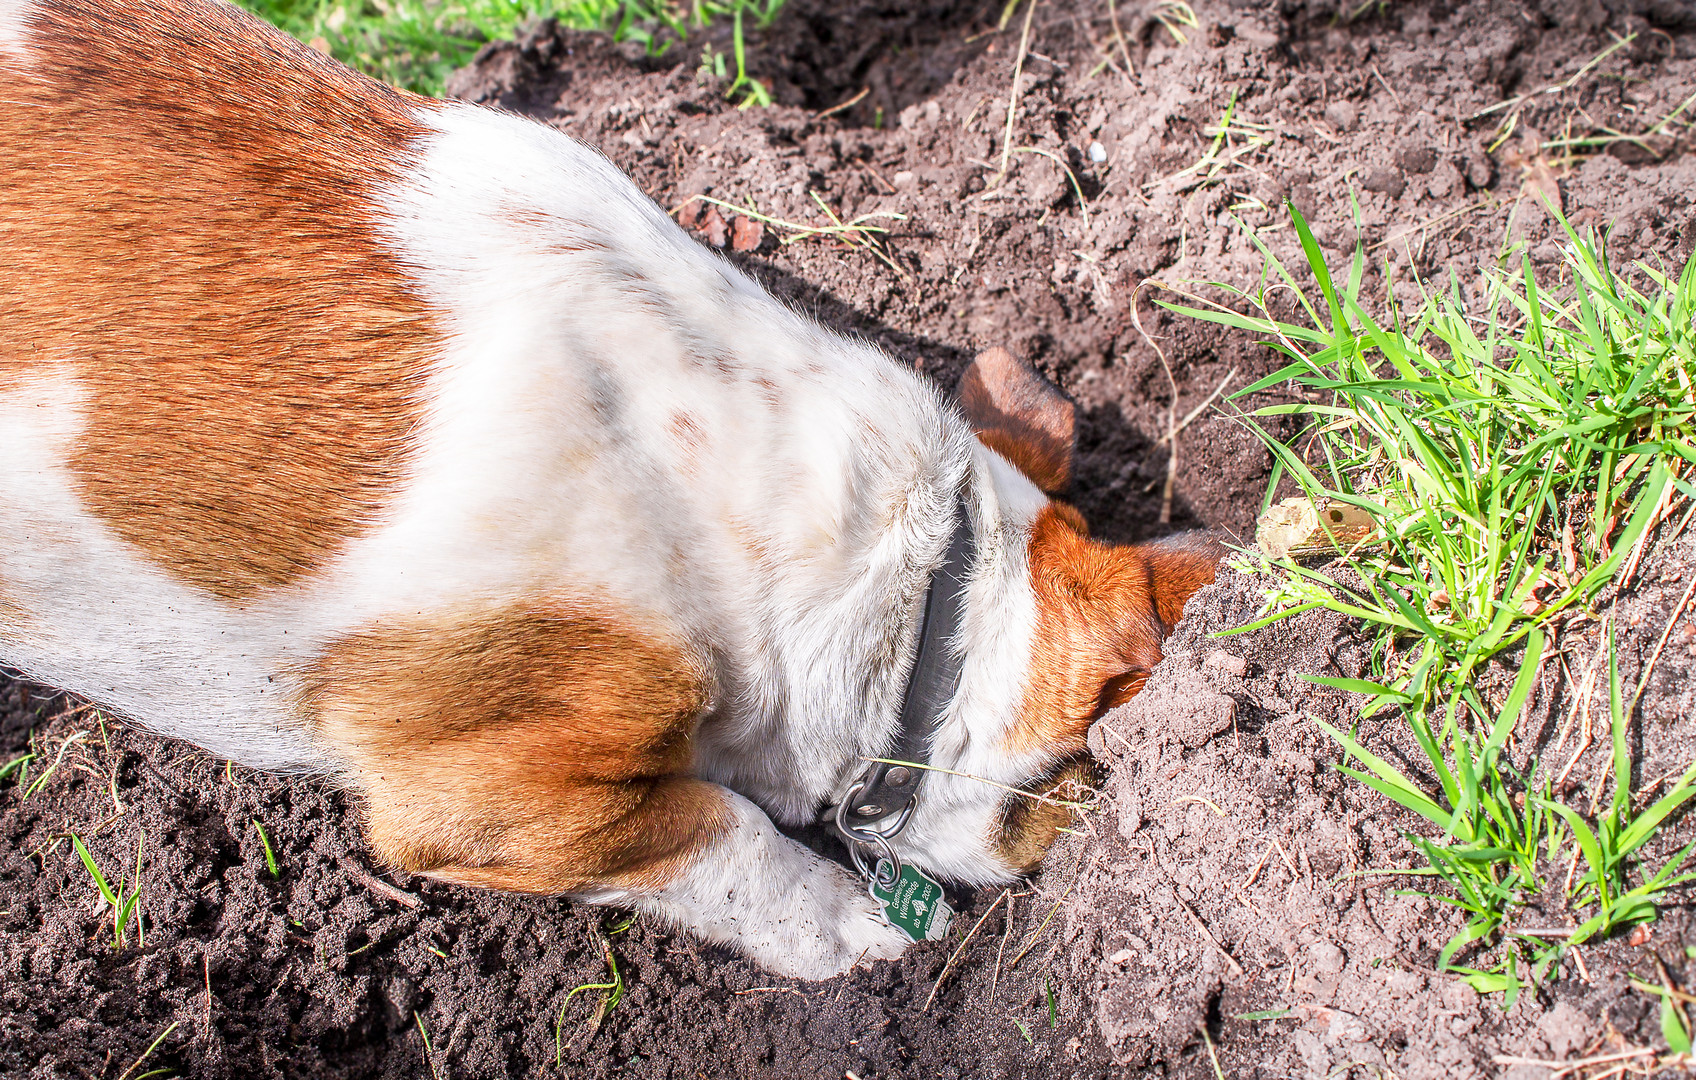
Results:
<point x="864" y="839"/>
<point x="880" y="801"/>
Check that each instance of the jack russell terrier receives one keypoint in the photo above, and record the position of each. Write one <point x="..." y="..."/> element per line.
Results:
<point x="406" y="443"/>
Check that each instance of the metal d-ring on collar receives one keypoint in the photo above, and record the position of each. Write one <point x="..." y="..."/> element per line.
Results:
<point x="880" y="801"/>
<point x="886" y="868"/>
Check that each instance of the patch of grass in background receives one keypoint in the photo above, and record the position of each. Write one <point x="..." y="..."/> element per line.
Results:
<point x="417" y="44"/>
<point x="1513" y="454"/>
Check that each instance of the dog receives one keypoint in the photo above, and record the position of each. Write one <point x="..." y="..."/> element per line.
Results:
<point x="406" y="443"/>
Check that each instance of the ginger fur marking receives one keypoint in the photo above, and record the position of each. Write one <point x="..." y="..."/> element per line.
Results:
<point x="225" y="223"/>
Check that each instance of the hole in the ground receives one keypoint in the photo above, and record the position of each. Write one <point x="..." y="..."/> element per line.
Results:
<point x="821" y="53"/>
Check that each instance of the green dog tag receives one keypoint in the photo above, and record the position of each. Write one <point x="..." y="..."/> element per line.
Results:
<point x="914" y="904"/>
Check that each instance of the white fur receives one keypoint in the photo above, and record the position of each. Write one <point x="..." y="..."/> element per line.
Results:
<point x="550" y="465"/>
<point x="775" y="900"/>
<point x="14" y="29"/>
<point x="107" y="624"/>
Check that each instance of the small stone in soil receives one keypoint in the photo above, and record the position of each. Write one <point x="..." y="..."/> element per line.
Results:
<point x="712" y="227"/>
<point x="746" y="234"/>
<point x="1224" y="661"/>
<point x="1342" y="115"/>
<point x="1385" y="178"/>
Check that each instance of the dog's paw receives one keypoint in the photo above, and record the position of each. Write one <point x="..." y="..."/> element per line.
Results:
<point x="869" y="936"/>
<point x="777" y="902"/>
<point x="856" y="932"/>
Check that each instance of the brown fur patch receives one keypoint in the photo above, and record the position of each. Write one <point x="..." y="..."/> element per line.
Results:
<point x="1028" y="827"/>
<point x="1094" y="624"/>
<point x="1102" y="612"/>
<point x="187" y="213"/>
<point x="1177" y="567"/>
<point x="538" y="749"/>
<point x="1021" y="416"/>
<point x="686" y="431"/>
<point x="12" y="613"/>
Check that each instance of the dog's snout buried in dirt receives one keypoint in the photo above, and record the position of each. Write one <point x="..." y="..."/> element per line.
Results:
<point x="408" y="443"/>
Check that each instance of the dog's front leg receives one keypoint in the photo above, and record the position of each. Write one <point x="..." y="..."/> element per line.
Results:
<point x="753" y="888"/>
<point x="549" y="751"/>
<point x="697" y="855"/>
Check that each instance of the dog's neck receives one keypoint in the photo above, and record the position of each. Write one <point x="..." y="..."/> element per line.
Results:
<point x="880" y="801"/>
<point x="844" y="670"/>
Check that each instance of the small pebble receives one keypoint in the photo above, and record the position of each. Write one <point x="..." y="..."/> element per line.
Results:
<point x="1342" y="115"/>
<point x="746" y="234"/>
<point x="713" y="227"/>
<point x="1224" y="661"/>
<point x="1327" y="958"/>
<point x="1385" y="178"/>
<point x="1097" y="152"/>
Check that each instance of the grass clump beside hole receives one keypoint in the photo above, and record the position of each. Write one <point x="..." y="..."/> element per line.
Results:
<point x="417" y="44"/>
<point x="1513" y="455"/>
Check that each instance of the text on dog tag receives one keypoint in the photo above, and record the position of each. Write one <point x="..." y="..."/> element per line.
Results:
<point x="914" y="904"/>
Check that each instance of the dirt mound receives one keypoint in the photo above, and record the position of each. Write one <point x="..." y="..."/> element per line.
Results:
<point x="1209" y="885"/>
<point x="1223" y="889"/>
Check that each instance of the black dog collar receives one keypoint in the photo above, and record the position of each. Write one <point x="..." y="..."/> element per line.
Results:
<point x="880" y="801"/>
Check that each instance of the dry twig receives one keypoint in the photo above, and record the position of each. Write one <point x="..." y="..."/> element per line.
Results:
<point x="946" y="968"/>
<point x="1559" y="1069"/>
<point x="1006" y="930"/>
<point x="1649" y="668"/>
<point x="1013" y="98"/>
<point x="1208" y="934"/>
<point x="1119" y="35"/>
<point x="849" y="104"/>
<point x="1031" y="941"/>
<point x="381" y="887"/>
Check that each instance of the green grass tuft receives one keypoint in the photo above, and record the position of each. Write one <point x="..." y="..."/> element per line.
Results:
<point x="124" y="904"/>
<point x="417" y="44"/>
<point x="429" y="1051"/>
<point x="145" y="1054"/>
<point x="1513" y="454"/>
<point x="612" y="994"/>
<point x="265" y="842"/>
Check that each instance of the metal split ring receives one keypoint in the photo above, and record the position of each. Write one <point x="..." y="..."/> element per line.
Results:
<point x="886" y="871"/>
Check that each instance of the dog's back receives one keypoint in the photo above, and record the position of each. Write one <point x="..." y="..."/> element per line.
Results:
<point x="160" y="458"/>
<point x="284" y="352"/>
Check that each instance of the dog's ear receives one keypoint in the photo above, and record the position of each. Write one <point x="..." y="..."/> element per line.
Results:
<point x="1174" y="569"/>
<point x="1021" y="416"/>
<point x="1177" y="566"/>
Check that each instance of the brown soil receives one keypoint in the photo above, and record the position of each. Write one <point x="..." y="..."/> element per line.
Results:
<point x="320" y="970"/>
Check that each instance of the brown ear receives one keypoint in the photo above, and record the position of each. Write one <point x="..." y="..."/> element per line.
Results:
<point x="1021" y="416"/>
<point x="1177" y="567"/>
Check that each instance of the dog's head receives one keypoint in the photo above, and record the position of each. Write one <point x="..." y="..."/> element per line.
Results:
<point x="1076" y="629"/>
